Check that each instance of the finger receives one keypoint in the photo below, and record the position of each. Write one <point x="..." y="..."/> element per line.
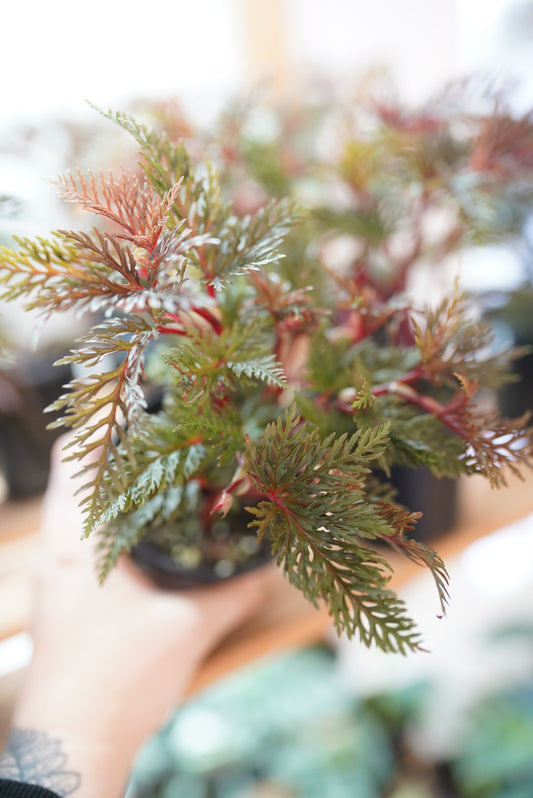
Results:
<point x="62" y="518"/>
<point x="218" y="609"/>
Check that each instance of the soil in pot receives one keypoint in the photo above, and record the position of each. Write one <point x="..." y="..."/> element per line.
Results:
<point x="201" y="549"/>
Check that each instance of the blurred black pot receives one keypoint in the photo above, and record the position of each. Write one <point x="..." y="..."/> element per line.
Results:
<point x="25" y="443"/>
<point x="516" y="398"/>
<point x="435" y="497"/>
<point x="511" y="316"/>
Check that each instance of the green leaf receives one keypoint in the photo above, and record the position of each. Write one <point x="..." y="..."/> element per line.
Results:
<point x="208" y="364"/>
<point x="316" y="512"/>
<point x="98" y="405"/>
<point x="120" y="535"/>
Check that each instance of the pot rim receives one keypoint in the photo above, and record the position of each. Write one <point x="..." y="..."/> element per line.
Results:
<point x="166" y="572"/>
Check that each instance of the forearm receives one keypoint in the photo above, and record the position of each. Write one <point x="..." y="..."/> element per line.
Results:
<point x="110" y="662"/>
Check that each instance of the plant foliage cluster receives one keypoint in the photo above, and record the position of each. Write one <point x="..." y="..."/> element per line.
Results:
<point x="288" y="384"/>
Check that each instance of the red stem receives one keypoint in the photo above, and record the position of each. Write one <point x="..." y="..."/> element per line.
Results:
<point x="407" y="379"/>
<point x="171" y="331"/>
<point x="402" y="389"/>
<point x="428" y="404"/>
<point x="209" y="317"/>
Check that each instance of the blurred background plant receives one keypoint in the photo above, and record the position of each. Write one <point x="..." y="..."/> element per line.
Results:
<point x="290" y="728"/>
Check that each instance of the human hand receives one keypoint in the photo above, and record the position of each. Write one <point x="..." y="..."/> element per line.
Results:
<point x="111" y="661"/>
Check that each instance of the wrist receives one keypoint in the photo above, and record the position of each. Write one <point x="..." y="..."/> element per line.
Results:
<point x="59" y="761"/>
<point x="77" y="732"/>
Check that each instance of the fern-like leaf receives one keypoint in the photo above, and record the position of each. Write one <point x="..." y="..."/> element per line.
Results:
<point x="402" y="522"/>
<point x="252" y="242"/>
<point x="133" y="206"/>
<point x="316" y="512"/>
<point x="164" y="162"/>
<point x="40" y="267"/>
<point x="452" y="344"/>
<point x="214" y="365"/>
<point x="122" y="533"/>
<point x="98" y="405"/>
<point x="242" y="244"/>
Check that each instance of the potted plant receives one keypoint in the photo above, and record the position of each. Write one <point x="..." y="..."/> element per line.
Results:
<point x="225" y="402"/>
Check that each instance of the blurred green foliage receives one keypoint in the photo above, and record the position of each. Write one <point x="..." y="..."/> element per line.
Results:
<point x="288" y="728"/>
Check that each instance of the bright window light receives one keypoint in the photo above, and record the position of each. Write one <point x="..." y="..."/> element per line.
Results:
<point x="502" y="563"/>
<point x="15" y="653"/>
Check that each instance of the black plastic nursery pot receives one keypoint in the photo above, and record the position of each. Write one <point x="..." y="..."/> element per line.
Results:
<point x="418" y="490"/>
<point x="222" y="548"/>
<point x="165" y="572"/>
<point x="435" y="497"/>
<point x="511" y="316"/>
<point x="516" y="398"/>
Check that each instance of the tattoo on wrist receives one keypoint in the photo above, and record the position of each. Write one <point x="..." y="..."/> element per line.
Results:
<point x="34" y="757"/>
